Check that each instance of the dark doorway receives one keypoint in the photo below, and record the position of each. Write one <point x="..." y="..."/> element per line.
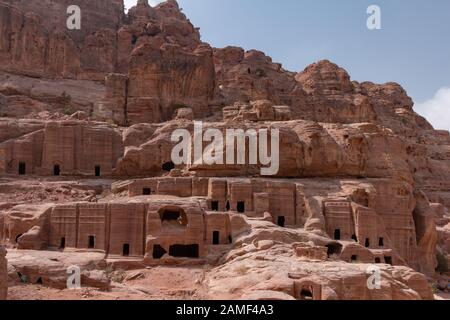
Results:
<point x="17" y="238"/>
<point x="170" y="215"/>
<point x="306" y="294"/>
<point x="230" y="239"/>
<point x="184" y="251"/>
<point x="56" y="170"/>
<point x="381" y="242"/>
<point x="281" y="221"/>
<point x="388" y="260"/>
<point x="355" y="238"/>
<point x="134" y="39"/>
<point x="377" y="260"/>
<point x="126" y="250"/>
<point x="22" y="168"/>
<point x="354" y="258"/>
<point x="91" y="242"/>
<point x="62" y="243"/>
<point x="98" y="171"/>
<point x="337" y="234"/>
<point x="228" y="207"/>
<point x="216" y="238"/>
<point x="146" y="191"/>
<point x="174" y="217"/>
<point x="168" y="166"/>
<point x="158" y="251"/>
<point x="39" y="281"/>
<point x="215" y="205"/>
<point x="333" y="248"/>
<point x="367" y="244"/>
<point x="241" y="206"/>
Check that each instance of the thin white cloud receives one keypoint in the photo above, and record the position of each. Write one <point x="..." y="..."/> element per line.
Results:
<point x="437" y="109"/>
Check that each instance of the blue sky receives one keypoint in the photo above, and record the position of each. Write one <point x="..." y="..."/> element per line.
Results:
<point x="412" y="48"/>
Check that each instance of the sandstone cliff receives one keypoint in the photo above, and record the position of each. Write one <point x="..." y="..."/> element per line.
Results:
<point x="3" y="274"/>
<point x="363" y="179"/>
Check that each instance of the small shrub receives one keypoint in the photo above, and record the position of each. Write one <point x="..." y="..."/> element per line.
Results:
<point x="442" y="263"/>
<point x="115" y="275"/>
<point x="241" y="270"/>
<point x="261" y="73"/>
<point x="434" y="288"/>
<point x="66" y="101"/>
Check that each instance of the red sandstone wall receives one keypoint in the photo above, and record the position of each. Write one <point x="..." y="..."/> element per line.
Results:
<point x="42" y="44"/>
<point x="3" y="274"/>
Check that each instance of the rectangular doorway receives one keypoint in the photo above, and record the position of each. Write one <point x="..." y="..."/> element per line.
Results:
<point x="98" y="171"/>
<point x="241" y="206"/>
<point x="216" y="238"/>
<point x="281" y="221"/>
<point x="22" y="168"/>
<point x="126" y="250"/>
<point x="91" y="242"/>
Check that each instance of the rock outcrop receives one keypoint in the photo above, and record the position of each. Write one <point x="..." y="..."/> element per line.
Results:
<point x="3" y="274"/>
<point x="87" y="173"/>
<point x="39" y="42"/>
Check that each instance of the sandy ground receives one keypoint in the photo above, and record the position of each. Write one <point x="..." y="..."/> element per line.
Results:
<point x="160" y="283"/>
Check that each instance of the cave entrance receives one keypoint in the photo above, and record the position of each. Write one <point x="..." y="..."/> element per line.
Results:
<point x="146" y="191"/>
<point x="184" y="251"/>
<point x="281" y="221"/>
<point x="306" y="294"/>
<point x="381" y="242"/>
<point x="126" y="250"/>
<point x="158" y="251"/>
<point x="333" y="248"/>
<point x="388" y="260"/>
<point x="98" y="171"/>
<point x="354" y="258"/>
<point x="62" y="243"/>
<point x="337" y="234"/>
<point x="168" y="166"/>
<point x="174" y="216"/>
<point x="214" y="205"/>
<point x="169" y="215"/>
<point x="377" y="260"/>
<point x="228" y="206"/>
<point x="216" y="238"/>
<point x="367" y="244"/>
<point x="241" y="206"/>
<point x="56" y="170"/>
<point x="91" y="241"/>
<point x="22" y="168"/>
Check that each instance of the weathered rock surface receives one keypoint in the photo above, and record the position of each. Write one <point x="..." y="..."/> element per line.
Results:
<point x="363" y="180"/>
<point x="3" y="274"/>
<point x="50" y="269"/>
<point x="251" y="269"/>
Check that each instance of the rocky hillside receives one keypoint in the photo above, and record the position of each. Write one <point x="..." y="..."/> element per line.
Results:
<point x="104" y="100"/>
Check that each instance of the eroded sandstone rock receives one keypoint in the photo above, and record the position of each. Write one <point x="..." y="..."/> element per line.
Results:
<point x="363" y="179"/>
<point x="3" y="274"/>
